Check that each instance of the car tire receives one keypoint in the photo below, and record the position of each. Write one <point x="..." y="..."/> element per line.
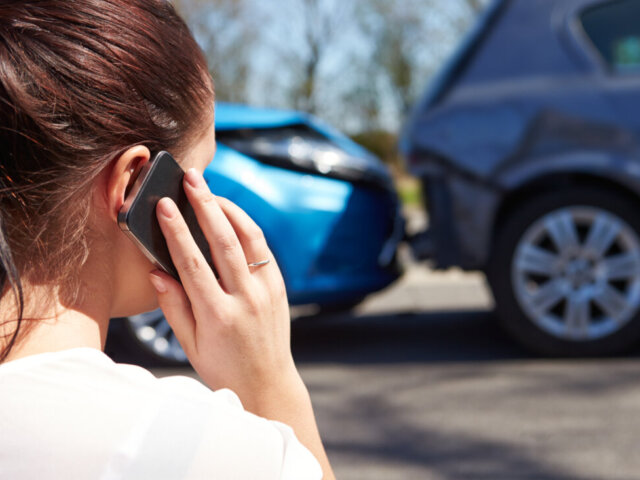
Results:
<point x="565" y="272"/>
<point x="149" y="336"/>
<point x="339" y="307"/>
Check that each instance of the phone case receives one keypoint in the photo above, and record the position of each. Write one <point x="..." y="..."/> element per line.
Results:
<point x="160" y="177"/>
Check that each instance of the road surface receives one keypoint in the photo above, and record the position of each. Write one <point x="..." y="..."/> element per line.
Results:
<point x="420" y="383"/>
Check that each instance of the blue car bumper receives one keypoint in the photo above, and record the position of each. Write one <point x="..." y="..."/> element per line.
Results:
<point x="334" y="240"/>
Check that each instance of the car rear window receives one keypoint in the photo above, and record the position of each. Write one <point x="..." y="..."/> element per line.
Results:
<point x="614" y="29"/>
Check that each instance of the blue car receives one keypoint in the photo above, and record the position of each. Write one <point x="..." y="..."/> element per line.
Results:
<point x="327" y="207"/>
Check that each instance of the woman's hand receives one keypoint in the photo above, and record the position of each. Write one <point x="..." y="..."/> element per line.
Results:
<point x="234" y="329"/>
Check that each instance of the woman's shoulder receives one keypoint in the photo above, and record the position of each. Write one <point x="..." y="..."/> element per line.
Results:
<point x="58" y="408"/>
<point x="88" y="371"/>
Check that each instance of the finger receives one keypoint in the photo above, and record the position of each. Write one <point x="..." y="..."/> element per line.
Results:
<point x="249" y="234"/>
<point x="195" y="274"/>
<point x="176" y="308"/>
<point x="226" y="251"/>
<point x="254" y="245"/>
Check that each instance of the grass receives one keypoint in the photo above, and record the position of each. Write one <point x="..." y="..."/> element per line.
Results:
<point x="409" y="190"/>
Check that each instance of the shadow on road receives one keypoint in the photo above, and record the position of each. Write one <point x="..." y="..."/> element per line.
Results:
<point x="371" y="339"/>
<point x="408" y="337"/>
<point x="414" y="451"/>
<point x="414" y="337"/>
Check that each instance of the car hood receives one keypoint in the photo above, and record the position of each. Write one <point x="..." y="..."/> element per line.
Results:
<point x="230" y="116"/>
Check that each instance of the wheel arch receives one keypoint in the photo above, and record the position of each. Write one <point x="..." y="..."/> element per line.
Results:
<point x="551" y="180"/>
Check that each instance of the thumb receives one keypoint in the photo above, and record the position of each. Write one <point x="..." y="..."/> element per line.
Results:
<point x="176" y="308"/>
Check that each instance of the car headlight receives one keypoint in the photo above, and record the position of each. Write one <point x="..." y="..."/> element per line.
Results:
<point x="303" y="149"/>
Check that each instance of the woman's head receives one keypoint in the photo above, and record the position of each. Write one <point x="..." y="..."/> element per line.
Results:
<point x="81" y="84"/>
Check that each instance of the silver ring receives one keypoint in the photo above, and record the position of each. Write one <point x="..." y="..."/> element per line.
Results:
<point x="259" y="264"/>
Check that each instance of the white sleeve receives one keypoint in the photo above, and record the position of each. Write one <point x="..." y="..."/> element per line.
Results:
<point x="194" y="433"/>
<point x="298" y="463"/>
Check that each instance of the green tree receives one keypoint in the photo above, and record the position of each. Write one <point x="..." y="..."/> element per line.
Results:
<point x="410" y="36"/>
<point x="227" y="32"/>
<point x="318" y="22"/>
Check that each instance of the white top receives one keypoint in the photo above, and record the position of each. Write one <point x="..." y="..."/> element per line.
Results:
<point x="78" y="415"/>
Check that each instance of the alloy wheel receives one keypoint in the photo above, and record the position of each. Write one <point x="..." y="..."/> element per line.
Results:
<point x="576" y="273"/>
<point x="153" y="332"/>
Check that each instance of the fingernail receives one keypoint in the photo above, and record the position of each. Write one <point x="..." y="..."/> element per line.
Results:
<point x="194" y="178"/>
<point x="157" y="282"/>
<point x="167" y="208"/>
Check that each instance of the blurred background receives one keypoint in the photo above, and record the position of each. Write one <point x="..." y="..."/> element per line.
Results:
<point x="451" y="189"/>
<point x="359" y="66"/>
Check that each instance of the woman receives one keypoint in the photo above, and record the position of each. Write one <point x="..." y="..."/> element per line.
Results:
<point x="89" y="90"/>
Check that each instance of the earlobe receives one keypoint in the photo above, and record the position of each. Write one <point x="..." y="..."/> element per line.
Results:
<point x="121" y="176"/>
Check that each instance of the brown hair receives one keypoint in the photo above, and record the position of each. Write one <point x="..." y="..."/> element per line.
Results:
<point x="80" y="82"/>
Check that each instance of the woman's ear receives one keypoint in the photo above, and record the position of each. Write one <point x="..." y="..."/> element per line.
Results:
<point x="123" y="172"/>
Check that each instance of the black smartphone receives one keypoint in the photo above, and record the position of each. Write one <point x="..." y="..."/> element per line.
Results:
<point x="160" y="177"/>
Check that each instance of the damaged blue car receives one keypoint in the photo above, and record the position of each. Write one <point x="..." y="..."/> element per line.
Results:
<point x="327" y="207"/>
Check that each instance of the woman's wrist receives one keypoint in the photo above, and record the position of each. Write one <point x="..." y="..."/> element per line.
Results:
<point x="277" y="397"/>
<point x="289" y="402"/>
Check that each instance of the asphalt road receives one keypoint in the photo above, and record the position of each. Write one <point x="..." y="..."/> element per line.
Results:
<point x="420" y="383"/>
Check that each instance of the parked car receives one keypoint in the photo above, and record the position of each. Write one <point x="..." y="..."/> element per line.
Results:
<point x="528" y="147"/>
<point x="328" y="209"/>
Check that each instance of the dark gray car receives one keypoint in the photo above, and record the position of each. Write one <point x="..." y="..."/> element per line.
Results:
<point x="528" y="145"/>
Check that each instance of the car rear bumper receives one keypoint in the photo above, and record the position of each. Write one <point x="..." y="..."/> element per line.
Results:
<point x="461" y="214"/>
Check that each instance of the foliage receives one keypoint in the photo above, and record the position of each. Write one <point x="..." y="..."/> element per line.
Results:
<point x="359" y="65"/>
<point x="380" y="142"/>
<point x="227" y="33"/>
